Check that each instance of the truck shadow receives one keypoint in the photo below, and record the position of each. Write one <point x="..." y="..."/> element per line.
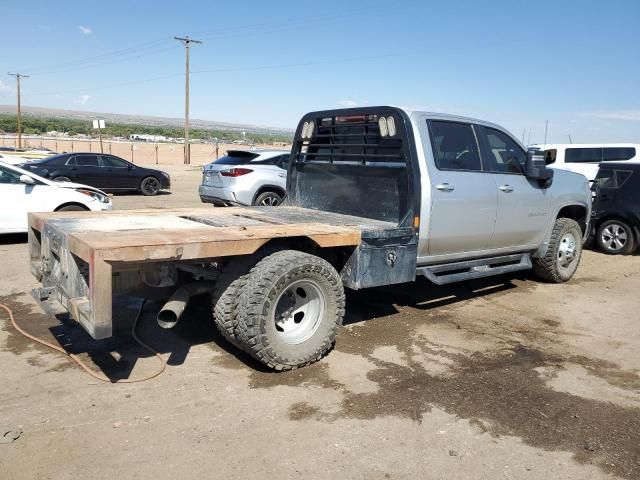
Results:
<point x="117" y="356"/>
<point x="423" y="295"/>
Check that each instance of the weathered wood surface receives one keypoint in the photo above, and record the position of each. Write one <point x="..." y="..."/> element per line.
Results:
<point x="187" y="233"/>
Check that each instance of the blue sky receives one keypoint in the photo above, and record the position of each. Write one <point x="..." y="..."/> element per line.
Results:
<point x="517" y="63"/>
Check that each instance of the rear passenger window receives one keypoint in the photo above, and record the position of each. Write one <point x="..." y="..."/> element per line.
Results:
<point x="87" y="160"/>
<point x="583" y="155"/>
<point x="505" y="156"/>
<point x="113" y="162"/>
<point x="616" y="154"/>
<point x="454" y="146"/>
<point x="612" y="178"/>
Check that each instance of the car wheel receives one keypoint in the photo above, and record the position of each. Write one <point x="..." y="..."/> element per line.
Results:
<point x="61" y="179"/>
<point x="290" y="309"/>
<point x="563" y="253"/>
<point x="72" y="208"/>
<point x="615" y="237"/>
<point x="150" y="186"/>
<point x="268" y="199"/>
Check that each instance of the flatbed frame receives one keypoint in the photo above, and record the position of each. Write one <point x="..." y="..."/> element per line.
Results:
<point x="77" y="254"/>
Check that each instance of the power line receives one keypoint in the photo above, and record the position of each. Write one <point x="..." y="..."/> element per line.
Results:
<point x="99" y="57"/>
<point x="186" y="41"/>
<point x="101" y="63"/>
<point x="222" y="70"/>
<point x="18" y="77"/>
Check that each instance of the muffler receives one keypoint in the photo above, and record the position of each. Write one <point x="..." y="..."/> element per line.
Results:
<point x="171" y="312"/>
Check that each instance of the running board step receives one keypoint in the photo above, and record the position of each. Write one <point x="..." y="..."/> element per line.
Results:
<point x="484" y="267"/>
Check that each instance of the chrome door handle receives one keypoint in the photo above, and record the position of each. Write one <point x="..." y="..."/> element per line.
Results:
<point x="445" y="187"/>
<point x="506" y="188"/>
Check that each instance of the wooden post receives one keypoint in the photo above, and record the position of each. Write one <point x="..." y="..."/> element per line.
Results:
<point x="156" y="154"/>
<point x="100" y="133"/>
<point x="90" y="144"/>
<point x="132" y="153"/>
<point x="109" y="147"/>
<point x="72" y="145"/>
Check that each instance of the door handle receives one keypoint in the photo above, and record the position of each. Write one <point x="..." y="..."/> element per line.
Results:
<point x="506" y="188"/>
<point x="445" y="187"/>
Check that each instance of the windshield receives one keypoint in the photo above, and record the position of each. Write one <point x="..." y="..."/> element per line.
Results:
<point x="237" y="158"/>
<point x="24" y="172"/>
<point x="47" y="159"/>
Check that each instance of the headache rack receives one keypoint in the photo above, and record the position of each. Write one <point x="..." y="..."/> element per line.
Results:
<point x="357" y="162"/>
<point x="352" y="139"/>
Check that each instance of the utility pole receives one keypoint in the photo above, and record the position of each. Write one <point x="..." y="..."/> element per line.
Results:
<point x="186" y="41"/>
<point x="18" y="77"/>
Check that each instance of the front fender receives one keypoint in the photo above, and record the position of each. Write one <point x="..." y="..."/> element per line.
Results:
<point x="542" y="250"/>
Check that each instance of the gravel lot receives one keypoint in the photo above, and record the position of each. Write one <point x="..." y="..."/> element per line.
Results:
<point x="500" y="378"/>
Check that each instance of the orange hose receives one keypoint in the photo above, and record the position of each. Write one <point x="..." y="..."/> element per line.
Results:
<point x="76" y="359"/>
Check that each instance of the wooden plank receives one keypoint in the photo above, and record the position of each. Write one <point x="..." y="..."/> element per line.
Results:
<point x="150" y="245"/>
<point x="100" y="294"/>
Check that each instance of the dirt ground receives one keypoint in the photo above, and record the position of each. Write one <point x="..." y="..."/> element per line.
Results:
<point x="500" y="378"/>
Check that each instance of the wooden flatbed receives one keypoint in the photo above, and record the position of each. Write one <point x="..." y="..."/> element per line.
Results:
<point x="76" y="255"/>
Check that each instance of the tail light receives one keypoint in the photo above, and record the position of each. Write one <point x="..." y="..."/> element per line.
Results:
<point x="235" y="172"/>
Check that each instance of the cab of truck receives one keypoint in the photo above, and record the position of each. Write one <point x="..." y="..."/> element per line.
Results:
<point x="455" y="188"/>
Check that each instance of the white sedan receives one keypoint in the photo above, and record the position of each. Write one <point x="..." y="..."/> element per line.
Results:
<point x="22" y="192"/>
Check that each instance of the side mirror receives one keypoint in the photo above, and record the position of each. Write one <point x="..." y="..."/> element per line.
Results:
<point x="536" y="168"/>
<point x="130" y="167"/>
<point x="27" y="180"/>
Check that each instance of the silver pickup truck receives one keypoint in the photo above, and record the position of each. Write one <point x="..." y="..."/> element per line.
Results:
<point x="376" y="196"/>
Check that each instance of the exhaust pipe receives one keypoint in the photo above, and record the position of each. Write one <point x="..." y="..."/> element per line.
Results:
<point x="171" y="312"/>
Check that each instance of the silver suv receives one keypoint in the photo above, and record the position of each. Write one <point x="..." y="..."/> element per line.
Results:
<point x="257" y="177"/>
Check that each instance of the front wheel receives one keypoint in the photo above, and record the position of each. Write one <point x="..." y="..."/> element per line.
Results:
<point x="72" y="208"/>
<point x="290" y="310"/>
<point x="150" y="186"/>
<point x="563" y="253"/>
<point x="615" y="237"/>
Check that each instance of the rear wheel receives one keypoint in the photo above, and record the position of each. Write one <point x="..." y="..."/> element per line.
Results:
<point x="563" y="253"/>
<point x="268" y="199"/>
<point x="61" y="179"/>
<point x="150" y="186"/>
<point x="615" y="237"/>
<point x="290" y="310"/>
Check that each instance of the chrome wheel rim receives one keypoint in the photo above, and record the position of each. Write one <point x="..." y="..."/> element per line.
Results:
<point x="151" y="185"/>
<point x="270" y="201"/>
<point x="567" y="250"/>
<point x="298" y="311"/>
<point x="614" y="237"/>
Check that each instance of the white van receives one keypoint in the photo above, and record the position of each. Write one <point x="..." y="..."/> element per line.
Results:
<point x="585" y="158"/>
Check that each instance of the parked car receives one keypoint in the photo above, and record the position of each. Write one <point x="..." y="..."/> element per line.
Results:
<point x="585" y="158"/>
<point x="107" y="172"/>
<point x="257" y="177"/>
<point x="616" y="211"/>
<point x="26" y="192"/>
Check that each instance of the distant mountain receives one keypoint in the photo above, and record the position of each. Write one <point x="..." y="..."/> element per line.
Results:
<point x="141" y="120"/>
